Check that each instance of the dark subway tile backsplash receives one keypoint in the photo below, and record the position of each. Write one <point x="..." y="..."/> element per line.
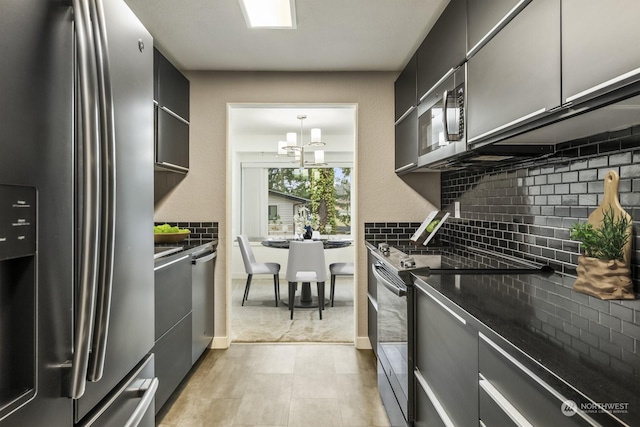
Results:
<point x="538" y="201"/>
<point x="389" y="232"/>
<point x="199" y="230"/>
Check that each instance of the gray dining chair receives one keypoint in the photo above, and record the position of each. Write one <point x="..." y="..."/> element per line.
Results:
<point x="252" y="267"/>
<point x="338" y="269"/>
<point x="306" y="264"/>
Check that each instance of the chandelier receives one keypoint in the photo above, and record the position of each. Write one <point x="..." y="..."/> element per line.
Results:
<point x="292" y="148"/>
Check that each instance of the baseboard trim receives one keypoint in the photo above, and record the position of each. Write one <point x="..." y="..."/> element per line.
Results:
<point x="363" y="343"/>
<point x="220" y="343"/>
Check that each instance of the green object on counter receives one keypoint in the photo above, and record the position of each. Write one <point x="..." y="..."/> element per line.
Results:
<point x="166" y="228"/>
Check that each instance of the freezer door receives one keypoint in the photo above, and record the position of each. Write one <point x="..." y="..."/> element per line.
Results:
<point x="131" y="404"/>
<point x="36" y="150"/>
<point x="130" y="333"/>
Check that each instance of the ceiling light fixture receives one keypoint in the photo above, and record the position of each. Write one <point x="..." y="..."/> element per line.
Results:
<point x="292" y="148"/>
<point x="276" y="14"/>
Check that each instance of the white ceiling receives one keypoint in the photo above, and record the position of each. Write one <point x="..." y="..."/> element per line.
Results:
<point x="331" y="35"/>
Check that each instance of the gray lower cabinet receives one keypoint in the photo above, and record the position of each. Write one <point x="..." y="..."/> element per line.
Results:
<point x="516" y="76"/>
<point x="173" y="323"/>
<point x="173" y="359"/>
<point x="512" y="394"/>
<point x="591" y="57"/>
<point x="446" y="359"/>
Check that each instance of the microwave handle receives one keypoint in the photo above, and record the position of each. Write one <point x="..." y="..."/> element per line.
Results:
<point x="445" y="101"/>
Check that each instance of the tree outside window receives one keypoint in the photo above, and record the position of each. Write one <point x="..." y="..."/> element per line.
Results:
<point x="326" y="192"/>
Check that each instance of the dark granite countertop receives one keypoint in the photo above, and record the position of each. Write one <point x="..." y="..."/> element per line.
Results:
<point x="575" y="338"/>
<point x="581" y="345"/>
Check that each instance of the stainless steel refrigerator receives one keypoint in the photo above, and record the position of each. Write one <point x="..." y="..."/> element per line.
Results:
<point x="76" y="214"/>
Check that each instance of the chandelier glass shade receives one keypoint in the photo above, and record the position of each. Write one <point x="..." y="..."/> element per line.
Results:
<point x="292" y="148"/>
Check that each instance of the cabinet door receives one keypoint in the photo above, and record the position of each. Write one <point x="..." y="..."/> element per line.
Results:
<point x="516" y="76"/>
<point x="405" y="89"/>
<point x="599" y="44"/>
<point x="173" y="88"/>
<point x="486" y="18"/>
<point x="407" y="142"/>
<point x="172" y="141"/>
<point x="444" y="48"/>
<point x="446" y="356"/>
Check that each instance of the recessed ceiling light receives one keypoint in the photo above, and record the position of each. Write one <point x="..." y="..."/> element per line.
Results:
<point x="269" y="13"/>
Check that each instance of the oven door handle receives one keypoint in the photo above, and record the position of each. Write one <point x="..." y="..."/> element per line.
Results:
<point x="393" y="288"/>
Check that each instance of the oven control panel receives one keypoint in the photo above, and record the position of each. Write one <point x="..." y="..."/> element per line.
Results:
<point x="17" y="221"/>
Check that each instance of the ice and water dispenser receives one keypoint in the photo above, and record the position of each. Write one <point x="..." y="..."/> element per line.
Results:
<point x="18" y="296"/>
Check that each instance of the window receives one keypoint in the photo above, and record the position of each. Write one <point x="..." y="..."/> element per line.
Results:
<point x="273" y="213"/>
<point x="318" y="197"/>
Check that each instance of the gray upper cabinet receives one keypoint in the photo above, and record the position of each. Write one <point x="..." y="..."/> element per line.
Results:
<point x="171" y="95"/>
<point x="486" y="18"/>
<point x="444" y="48"/>
<point x="405" y="89"/>
<point x="515" y="77"/>
<point x="406" y="147"/>
<point x="406" y="138"/>
<point x="599" y="46"/>
<point x="172" y="88"/>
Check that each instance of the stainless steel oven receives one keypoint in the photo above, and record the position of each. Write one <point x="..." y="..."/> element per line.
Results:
<point x="441" y="120"/>
<point x="393" y="345"/>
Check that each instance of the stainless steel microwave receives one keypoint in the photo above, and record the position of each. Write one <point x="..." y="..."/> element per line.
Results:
<point x="441" y="120"/>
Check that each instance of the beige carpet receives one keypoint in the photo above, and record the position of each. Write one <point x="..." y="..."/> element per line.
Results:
<point x="260" y="321"/>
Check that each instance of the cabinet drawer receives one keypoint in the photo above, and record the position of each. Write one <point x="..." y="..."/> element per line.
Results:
<point x="527" y="394"/>
<point x="173" y="359"/>
<point x="172" y="293"/>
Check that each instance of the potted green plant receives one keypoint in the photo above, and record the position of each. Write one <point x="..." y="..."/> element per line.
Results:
<point x="603" y="271"/>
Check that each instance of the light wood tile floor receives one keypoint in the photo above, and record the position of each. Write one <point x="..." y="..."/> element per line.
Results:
<point x="325" y="385"/>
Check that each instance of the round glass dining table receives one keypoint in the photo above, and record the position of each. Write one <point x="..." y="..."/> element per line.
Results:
<point x="305" y="300"/>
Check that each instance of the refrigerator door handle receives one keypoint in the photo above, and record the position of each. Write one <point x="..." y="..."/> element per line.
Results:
<point x="89" y="233"/>
<point x="148" y="392"/>
<point x="107" y="237"/>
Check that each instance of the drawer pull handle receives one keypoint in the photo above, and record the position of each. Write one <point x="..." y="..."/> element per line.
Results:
<point x="171" y="262"/>
<point x="503" y="403"/>
<point x="434" y="400"/>
<point x="536" y="378"/>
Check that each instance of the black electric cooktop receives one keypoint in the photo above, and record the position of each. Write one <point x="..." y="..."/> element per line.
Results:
<point x="449" y="260"/>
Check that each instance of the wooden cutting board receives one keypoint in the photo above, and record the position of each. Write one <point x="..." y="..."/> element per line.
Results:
<point x="611" y="201"/>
